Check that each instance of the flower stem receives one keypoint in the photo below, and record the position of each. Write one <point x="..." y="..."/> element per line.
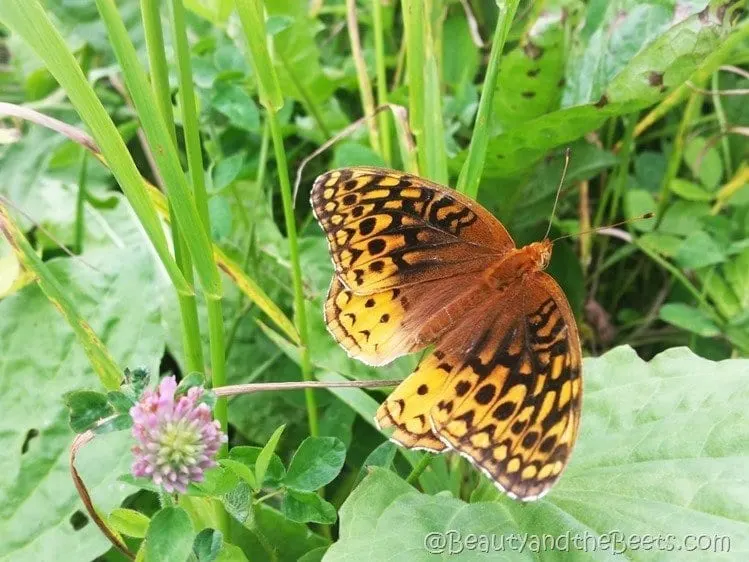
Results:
<point x="419" y="468"/>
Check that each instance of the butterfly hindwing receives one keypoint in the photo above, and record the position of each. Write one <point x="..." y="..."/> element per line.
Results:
<point x="388" y="229"/>
<point x="513" y="408"/>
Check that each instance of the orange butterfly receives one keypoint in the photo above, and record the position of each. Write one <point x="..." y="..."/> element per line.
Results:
<point x="419" y="264"/>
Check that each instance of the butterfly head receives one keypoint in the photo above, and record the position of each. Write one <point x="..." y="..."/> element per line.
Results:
<point x="541" y="253"/>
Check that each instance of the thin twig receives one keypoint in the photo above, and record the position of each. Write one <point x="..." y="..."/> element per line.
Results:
<point x="78" y="443"/>
<point x="473" y="26"/>
<point x="5" y="201"/>
<point x="234" y="389"/>
<point x="399" y="113"/>
<point x="735" y="70"/>
<point x="73" y="133"/>
<point x="734" y="92"/>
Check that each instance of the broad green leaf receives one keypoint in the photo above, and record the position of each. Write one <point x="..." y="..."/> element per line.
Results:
<point x="699" y="250"/>
<point x="684" y="217"/>
<point x="382" y="457"/>
<point x="230" y="553"/>
<point x="237" y="105"/>
<point x="663" y="448"/>
<point x="86" y="408"/>
<point x="169" y="537"/>
<point x="736" y="273"/>
<point x="531" y="76"/>
<point x="40" y="360"/>
<point x="650" y="167"/>
<point x="644" y="55"/>
<point x="637" y="202"/>
<point x="207" y="545"/>
<point x="297" y="58"/>
<point x="288" y="539"/>
<point x="689" y="190"/>
<point x="128" y="522"/>
<point x="688" y="318"/>
<point x="337" y="420"/>
<point x="216" y="11"/>
<point x="241" y="470"/>
<point x="306" y="507"/>
<point x="316" y="462"/>
<point x="266" y="454"/>
<point x="274" y="471"/>
<point x="227" y="170"/>
<point x="704" y="161"/>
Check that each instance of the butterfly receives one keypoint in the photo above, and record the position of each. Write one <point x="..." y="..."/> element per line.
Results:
<point x="420" y="265"/>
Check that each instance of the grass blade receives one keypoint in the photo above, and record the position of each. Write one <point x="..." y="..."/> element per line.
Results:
<point x="470" y="173"/>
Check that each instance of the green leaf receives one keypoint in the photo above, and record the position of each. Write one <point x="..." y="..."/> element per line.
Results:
<point x="382" y="457"/>
<point x="699" y="250"/>
<point x="637" y="202"/>
<point x="316" y="462"/>
<point x="129" y="522"/>
<point x="207" y="545"/>
<point x="531" y="75"/>
<point x="170" y="536"/>
<point x="705" y="164"/>
<point x="265" y="455"/>
<point x="460" y="55"/>
<point x="683" y="218"/>
<point x="306" y="507"/>
<point x="237" y="105"/>
<point x="227" y="170"/>
<point x="663" y="449"/>
<point x="219" y="210"/>
<point x="274" y="473"/>
<point x="241" y="470"/>
<point x="631" y="58"/>
<point x="289" y="539"/>
<point x="689" y="191"/>
<point x="688" y="318"/>
<point x="230" y="553"/>
<point x="86" y="408"/>
<point x="188" y="382"/>
<point x="116" y="423"/>
<point x="120" y="401"/>
<point x="238" y="501"/>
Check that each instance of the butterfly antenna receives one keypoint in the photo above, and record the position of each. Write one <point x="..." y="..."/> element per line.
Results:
<point x="559" y="190"/>
<point x="599" y="228"/>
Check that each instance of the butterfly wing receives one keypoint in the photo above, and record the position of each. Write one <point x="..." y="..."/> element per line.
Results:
<point x="379" y="327"/>
<point x="505" y="393"/>
<point x="388" y="229"/>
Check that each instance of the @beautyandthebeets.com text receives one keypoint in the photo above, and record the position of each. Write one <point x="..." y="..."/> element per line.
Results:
<point x="615" y="541"/>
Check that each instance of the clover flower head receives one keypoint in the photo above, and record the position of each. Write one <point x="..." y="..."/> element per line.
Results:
<point x="177" y="438"/>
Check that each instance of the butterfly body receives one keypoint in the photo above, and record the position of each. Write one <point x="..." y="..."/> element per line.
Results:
<point x="417" y="265"/>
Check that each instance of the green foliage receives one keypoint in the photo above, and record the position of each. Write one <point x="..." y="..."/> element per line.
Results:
<point x="665" y="459"/>
<point x="317" y="461"/>
<point x="169" y="536"/>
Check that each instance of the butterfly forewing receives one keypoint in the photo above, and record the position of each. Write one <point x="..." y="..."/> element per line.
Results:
<point x="387" y="229"/>
<point x="419" y="264"/>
